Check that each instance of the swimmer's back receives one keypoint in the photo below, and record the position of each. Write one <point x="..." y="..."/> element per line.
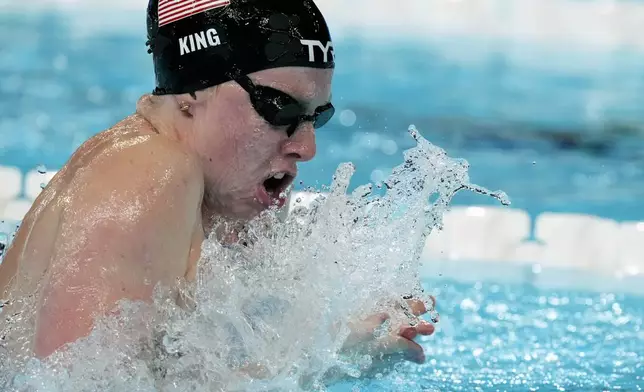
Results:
<point x="122" y="214"/>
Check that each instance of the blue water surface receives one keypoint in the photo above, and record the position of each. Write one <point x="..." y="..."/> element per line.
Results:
<point x="509" y="337"/>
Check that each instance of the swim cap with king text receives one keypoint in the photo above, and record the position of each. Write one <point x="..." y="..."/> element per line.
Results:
<point x="197" y="44"/>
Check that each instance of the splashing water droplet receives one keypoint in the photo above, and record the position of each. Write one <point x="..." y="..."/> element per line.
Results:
<point x="4" y="242"/>
<point x="382" y="330"/>
<point x="41" y="169"/>
<point x="285" y="303"/>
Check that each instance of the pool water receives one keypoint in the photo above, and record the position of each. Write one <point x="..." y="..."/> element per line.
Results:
<point x="506" y="337"/>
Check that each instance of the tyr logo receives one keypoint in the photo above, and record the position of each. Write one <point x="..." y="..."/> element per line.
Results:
<point x="326" y="49"/>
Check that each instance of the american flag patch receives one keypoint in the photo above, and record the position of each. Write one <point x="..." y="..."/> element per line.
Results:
<point x="174" y="10"/>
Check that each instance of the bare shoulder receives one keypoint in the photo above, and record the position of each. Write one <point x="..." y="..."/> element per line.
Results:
<point x="135" y="161"/>
<point x="131" y="205"/>
<point x="137" y="201"/>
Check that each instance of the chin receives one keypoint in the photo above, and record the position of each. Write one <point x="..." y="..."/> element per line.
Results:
<point x="245" y="210"/>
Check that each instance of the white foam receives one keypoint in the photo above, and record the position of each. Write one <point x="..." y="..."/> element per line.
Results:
<point x="597" y="24"/>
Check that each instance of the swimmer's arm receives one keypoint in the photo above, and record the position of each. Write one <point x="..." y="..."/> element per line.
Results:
<point x="128" y="226"/>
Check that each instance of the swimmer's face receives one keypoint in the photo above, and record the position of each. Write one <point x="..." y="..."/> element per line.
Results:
<point x="247" y="161"/>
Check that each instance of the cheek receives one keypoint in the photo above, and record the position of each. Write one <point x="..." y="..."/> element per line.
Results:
<point x="231" y="152"/>
<point x="236" y="140"/>
<point x="217" y="131"/>
<point x="254" y="139"/>
<point x="263" y="144"/>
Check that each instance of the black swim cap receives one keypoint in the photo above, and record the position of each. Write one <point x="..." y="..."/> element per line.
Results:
<point x="196" y="44"/>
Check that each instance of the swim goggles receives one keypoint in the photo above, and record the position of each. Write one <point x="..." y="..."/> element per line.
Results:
<point x="280" y="109"/>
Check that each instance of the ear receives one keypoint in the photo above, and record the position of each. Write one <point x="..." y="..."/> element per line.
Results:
<point x="186" y="103"/>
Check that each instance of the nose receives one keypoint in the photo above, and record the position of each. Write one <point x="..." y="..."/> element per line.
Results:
<point x="301" y="145"/>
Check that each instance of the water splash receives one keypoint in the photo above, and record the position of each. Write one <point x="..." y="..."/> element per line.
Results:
<point x="274" y="315"/>
<point x="4" y="241"/>
<point x="41" y="169"/>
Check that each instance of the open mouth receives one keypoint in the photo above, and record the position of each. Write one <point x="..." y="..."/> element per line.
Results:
<point x="275" y="185"/>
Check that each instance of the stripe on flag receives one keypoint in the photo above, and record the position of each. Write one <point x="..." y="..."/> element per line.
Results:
<point x="174" y="10"/>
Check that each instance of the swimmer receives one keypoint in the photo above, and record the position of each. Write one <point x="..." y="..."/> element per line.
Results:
<point x="241" y="88"/>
